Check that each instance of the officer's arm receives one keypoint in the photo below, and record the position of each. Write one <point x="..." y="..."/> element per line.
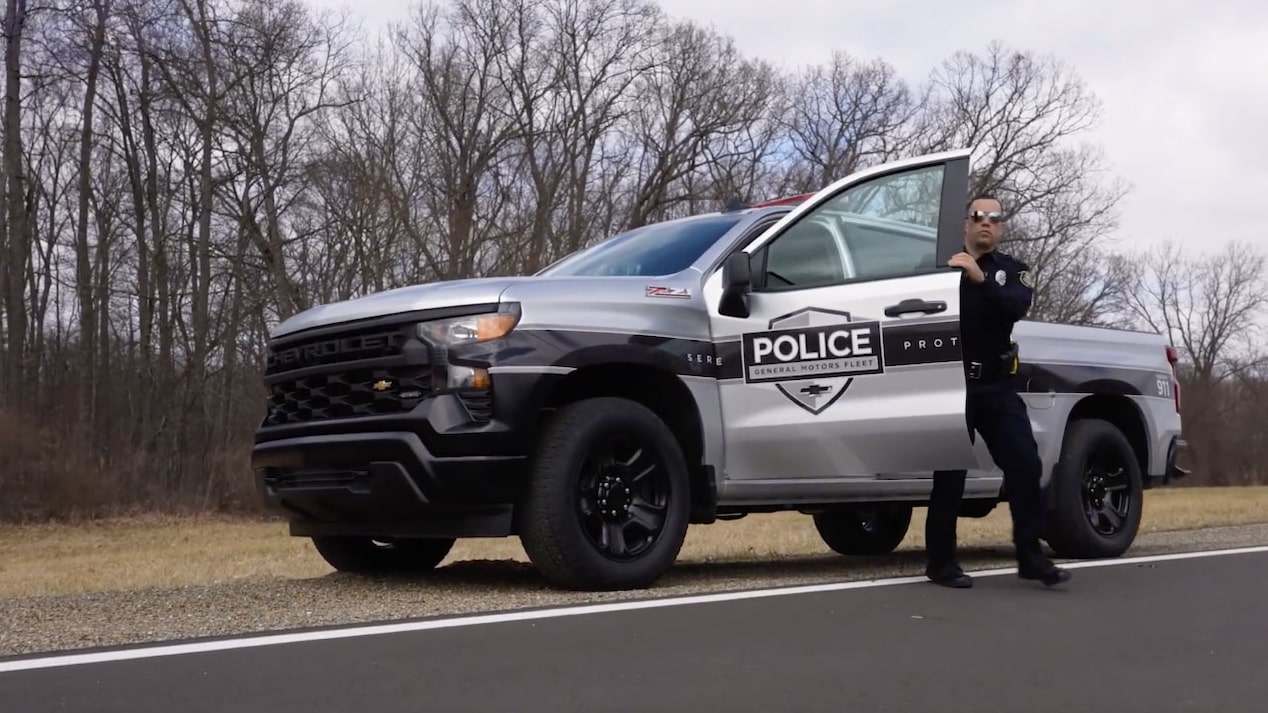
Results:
<point x="1014" y="297"/>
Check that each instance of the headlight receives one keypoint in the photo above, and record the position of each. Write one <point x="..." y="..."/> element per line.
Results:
<point x="444" y="334"/>
<point x="470" y="329"/>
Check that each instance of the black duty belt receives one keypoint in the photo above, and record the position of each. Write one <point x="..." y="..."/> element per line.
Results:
<point x="1002" y="367"/>
<point x="984" y="371"/>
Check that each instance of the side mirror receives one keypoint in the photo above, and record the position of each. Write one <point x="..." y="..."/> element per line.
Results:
<point x="737" y="280"/>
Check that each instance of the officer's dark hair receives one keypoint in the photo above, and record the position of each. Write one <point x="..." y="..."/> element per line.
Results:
<point x="968" y="207"/>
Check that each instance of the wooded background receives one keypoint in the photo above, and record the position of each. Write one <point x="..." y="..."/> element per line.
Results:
<point x="179" y="175"/>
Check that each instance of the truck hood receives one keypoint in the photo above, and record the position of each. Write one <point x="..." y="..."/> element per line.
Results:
<point x="451" y="293"/>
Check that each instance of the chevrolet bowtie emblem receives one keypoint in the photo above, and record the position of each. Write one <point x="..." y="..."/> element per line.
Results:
<point x="381" y="385"/>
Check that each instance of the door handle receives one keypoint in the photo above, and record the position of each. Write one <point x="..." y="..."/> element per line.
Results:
<point x="915" y="305"/>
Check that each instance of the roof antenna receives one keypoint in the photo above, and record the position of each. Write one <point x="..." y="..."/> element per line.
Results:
<point x="734" y="204"/>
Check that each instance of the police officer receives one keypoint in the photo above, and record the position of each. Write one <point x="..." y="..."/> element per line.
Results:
<point x="995" y="292"/>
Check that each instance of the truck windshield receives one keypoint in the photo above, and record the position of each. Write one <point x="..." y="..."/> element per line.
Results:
<point x="656" y="249"/>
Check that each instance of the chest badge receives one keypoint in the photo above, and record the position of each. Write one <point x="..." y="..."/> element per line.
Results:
<point x="1001" y="277"/>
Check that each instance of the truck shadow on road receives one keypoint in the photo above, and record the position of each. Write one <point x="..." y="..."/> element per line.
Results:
<point x="506" y="575"/>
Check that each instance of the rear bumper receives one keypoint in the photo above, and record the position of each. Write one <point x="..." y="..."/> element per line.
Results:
<point x="1171" y="468"/>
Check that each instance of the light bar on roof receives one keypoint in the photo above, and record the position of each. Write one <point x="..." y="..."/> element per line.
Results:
<point x="791" y="200"/>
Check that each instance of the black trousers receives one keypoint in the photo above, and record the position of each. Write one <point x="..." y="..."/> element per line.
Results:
<point x="997" y="413"/>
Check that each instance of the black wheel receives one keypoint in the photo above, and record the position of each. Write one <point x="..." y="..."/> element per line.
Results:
<point x="1098" y="493"/>
<point x="608" y="502"/>
<point x="366" y="555"/>
<point x="872" y="529"/>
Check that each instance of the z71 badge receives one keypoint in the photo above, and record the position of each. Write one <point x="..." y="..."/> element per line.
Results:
<point x="671" y="292"/>
<point x="813" y="355"/>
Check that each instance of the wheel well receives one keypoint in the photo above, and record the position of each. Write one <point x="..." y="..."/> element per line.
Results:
<point x="1124" y="414"/>
<point x="663" y="393"/>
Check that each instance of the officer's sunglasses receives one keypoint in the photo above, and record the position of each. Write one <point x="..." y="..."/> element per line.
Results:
<point x="994" y="216"/>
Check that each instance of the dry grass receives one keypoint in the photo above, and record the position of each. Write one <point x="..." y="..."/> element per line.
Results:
<point x="142" y="552"/>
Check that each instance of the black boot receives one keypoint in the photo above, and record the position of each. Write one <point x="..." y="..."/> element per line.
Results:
<point x="940" y="522"/>
<point x="948" y="575"/>
<point x="1032" y="563"/>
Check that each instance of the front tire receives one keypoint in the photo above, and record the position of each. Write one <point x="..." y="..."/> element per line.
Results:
<point x="1098" y="493"/>
<point x="608" y="501"/>
<point x="864" y="529"/>
<point x="365" y="555"/>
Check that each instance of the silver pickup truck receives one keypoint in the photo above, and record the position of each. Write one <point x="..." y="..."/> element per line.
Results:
<point x="800" y="355"/>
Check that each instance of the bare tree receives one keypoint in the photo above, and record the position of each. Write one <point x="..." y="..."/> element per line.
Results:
<point x="847" y="115"/>
<point x="1021" y="112"/>
<point x="570" y="82"/>
<point x="1212" y="305"/>
<point x="701" y="92"/>
<point x="89" y="261"/>
<point x="17" y="229"/>
<point x="1214" y="308"/>
<point x="290" y="64"/>
<point x="1243" y="429"/>
<point x="463" y="125"/>
<point x="363" y="179"/>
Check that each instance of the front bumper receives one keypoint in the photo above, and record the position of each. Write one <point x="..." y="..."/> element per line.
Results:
<point x="387" y="484"/>
<point x="368" y="433"/>
<point x="432" y="471"/>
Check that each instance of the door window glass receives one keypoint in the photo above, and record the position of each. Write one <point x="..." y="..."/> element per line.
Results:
<point x="885" y="227"/>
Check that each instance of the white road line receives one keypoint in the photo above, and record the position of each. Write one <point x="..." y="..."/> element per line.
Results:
<point x="154" y="651"/>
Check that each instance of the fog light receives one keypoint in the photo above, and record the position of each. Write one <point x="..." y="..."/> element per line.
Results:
<point x="466" y="377"/>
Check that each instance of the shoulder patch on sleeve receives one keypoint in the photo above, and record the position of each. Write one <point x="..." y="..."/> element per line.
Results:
<point x="1026" y="279"/>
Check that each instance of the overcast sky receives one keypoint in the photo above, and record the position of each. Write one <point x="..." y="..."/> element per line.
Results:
<point x="1184" y="85"/>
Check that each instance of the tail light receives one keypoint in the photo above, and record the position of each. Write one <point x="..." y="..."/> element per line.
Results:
<point x="1173" y="357"/>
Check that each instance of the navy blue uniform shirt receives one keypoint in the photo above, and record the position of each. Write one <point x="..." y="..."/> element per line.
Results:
<point x="989" y="310"/>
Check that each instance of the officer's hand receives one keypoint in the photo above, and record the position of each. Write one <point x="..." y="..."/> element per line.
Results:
<point x="966" y="262"/>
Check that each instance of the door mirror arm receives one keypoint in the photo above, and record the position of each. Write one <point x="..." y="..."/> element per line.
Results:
<point x="737" y="283"/>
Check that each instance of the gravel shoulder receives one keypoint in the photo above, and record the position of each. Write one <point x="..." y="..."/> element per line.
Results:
<point x="264" y="604"/>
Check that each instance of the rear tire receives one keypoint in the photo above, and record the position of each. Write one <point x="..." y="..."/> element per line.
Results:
<point x="873" y="529"/>
<point x="1098" y="493"/>
<point x="365" y="555"/>
<point x="608" y="501"/>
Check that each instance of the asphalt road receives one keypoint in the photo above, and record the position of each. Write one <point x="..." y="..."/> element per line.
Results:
<point x="1005" y="645"/>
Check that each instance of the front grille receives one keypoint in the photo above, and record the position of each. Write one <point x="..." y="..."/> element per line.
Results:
<point x="378" y="343"/>
<point x="357" y="371"/>
<point x="348" y="394"/>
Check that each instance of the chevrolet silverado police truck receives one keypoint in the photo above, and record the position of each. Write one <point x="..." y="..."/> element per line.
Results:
<point x="801" y="355"/>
